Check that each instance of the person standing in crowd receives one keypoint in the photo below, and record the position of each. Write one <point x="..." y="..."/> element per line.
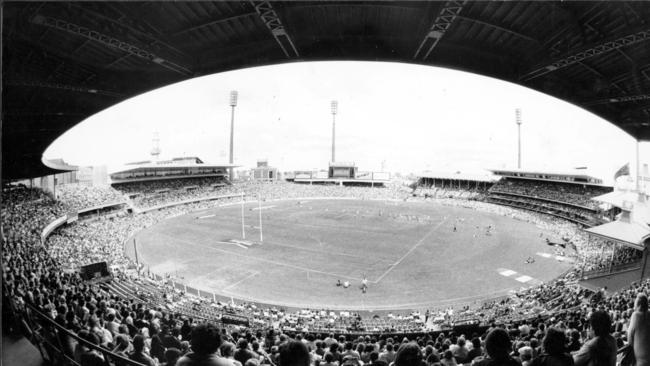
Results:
<point x="601" y="349"/>
<point x="638" y="332"/>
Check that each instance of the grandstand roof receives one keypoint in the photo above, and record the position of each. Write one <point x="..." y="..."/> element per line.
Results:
<point x="628" y="233"/>
<point x="618" y="198"/>
<point x="478" y="177"/>
<point x="578" y="178"/>
<point x="174" y="165"/>
<point x="65" y="61"/>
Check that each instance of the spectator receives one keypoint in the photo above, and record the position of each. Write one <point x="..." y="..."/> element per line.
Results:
<point x="227" y="351"/>
<point x="601" y="349"/>
<point x="476" y="350"/>
<point x="497" y="344"/>
<point x="139" y="354"/>
<point x="388" y="356"/>
<point x="554" y="350"/>
<point x="206" y="340"/>
<point x="409" y="354"/>
<point x="448" y="359"/>
<point x="459" y="350"/>
<point x="243" y="354"/>
<point x="172" y="355"/>
<point x="294" y="353"/>
<point x="638" y="332"/>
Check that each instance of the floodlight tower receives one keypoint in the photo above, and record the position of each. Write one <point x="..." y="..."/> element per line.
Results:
<point x="233" y="104"/>
<point x="335" y="108"/>
<point x="518" y="119"/>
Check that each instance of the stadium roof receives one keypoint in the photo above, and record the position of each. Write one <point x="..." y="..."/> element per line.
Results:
<point x="628" y="233"/>
<point x="64" y="61"/>
<point x="558" y="176"/>
<point x="486" y="177"/>
<point x="619" y="198"/>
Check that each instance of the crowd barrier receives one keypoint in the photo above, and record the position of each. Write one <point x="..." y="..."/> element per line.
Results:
<point x="56" y="344"/>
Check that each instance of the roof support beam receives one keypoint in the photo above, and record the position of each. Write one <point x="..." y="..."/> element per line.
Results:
<point x="619" y="99"/>
<point x="503" y="29"/>
<point x="212" y="22"/>
<point x="594" y="50"/>
<point x="271" y="20"/>
<point x="58" y="86"/>
<point x="441" y="24"/>
<point x="109" y="42"/>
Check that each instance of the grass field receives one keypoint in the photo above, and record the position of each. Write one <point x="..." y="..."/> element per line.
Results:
<point x="409" y="252"/>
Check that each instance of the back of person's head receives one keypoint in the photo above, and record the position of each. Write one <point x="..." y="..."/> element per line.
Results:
<point x="408" y="354"/>
<point x="461" y="341"/>
<point x="294" y="353"/>
<point x="497" y="344"/>
<point x="227" y="349"/>
<point x="138" y="343"/>
<point x="476" y="343"/>
<point x="448" y="355"/>
<point x="348" y="346"/>
<point x="242" y="343"/>
<point x="329" y="357"/>
<point x="374" y="356"/>
<point x="206" y="339"/>
<point x="641" y="303"/>
<point x="172" y="355"/>
<point x="600" y="322"/>
<point x="554" y="342"/>
<point x="389" y="347"/>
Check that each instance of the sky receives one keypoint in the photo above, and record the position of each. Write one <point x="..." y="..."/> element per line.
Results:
<point x="392" y="117"/>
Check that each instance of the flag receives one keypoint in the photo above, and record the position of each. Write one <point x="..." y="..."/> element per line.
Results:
<point x="624" y="170"/>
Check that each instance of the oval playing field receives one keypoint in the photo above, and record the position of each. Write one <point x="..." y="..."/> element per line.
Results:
<point x="409" y="252"/>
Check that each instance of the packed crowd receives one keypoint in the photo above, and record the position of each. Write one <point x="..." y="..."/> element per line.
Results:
<point x="571" y="213"/>
<point x="151" y="332"/>
<point x="574" y="194"/>
<point x="157" y="193"/>
<point x="78" y="196"/>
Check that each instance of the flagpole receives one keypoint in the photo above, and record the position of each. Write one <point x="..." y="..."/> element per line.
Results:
<point x="243" y="232"/>
<point x="260" y="210"/>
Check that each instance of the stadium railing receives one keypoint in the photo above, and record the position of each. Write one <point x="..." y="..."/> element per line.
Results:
<point x="47" y="336"/>
<point x="619" y="268"/>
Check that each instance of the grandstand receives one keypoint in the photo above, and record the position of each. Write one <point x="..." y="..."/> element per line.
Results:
<point x="63" y="62"/>
<point x="565" y="195"/>
<point x="457" y="184"/>
<point x="342" y="173"/>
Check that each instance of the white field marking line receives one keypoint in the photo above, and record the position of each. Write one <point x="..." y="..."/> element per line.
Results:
<point x="204" y="230"/>
<point x="229" y="243"/>
<point x="409" y="251"/>
<point x="266" y="260"/>
<point x="545" y="255"/>
<point x="523" y="279"/>
<point x="206" y="216"/>
<point x="262" y="208"/>
<point x="563" y="259"/>
<point x="506" y="272"/>
<point x="240" y="281"/>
